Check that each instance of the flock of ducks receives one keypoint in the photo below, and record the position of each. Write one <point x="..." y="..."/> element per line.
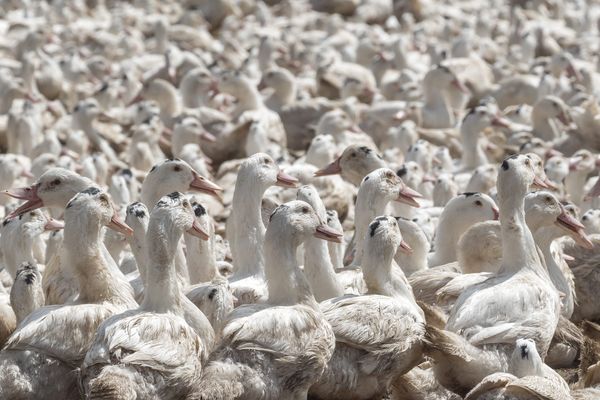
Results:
<point x="324" y="199"/>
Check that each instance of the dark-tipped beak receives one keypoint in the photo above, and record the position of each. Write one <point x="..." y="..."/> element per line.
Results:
<point x="203" y="185"/>
<point x="196" y="230"/>
<point x="117" y="225"/>
<point x="326" y="233"/>
<point x="286" y="181"/>
<point x="409" y="196"/>
<point x="333" y="168"/>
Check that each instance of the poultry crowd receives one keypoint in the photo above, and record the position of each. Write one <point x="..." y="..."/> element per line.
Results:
<point x="300" y="199"/>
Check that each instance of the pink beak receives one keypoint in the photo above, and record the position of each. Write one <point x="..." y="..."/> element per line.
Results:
<point x="408" y="196"/>
<point x="203" y="185"/>
<point x="286" y="181"/>
<point x="333" y="168"/>
<point x="117" y="225"/>
<point x="30" y="194"/>
<point x="54" y="225"/>
<point x="326" y="233"/>
<point x="197" y="231"/>
<point x="405" y="248"/>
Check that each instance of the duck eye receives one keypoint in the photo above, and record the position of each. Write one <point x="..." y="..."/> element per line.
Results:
<point x="478" y="203"/>
<point x="55" y="182"/>
<point x="305" y="210"/>
<point x="186" y="204"/>
<point x="548" y="199"/>
<point x="177" y="168"/>
<point x="353" y="155"/>
<point x="103" y="198"/>
<point x="267" y="161"/>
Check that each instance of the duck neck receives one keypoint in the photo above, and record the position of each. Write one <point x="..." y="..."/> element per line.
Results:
<point x="449" y="231"/>
<point x="286" y="283"/>
<point x="544" y="127"/>
<point x="201" y="258"/>
<point x="473" y="154"/>
<point x="519" y="250"/>
<point x="544" y="238"/>
<point x="382" y="276"/>
<point x="319" y="270"/>
<point x="137" y="243"/>
<point x="285" y="92"/>
<point x="248" y="99"/>
<point x="163" y="292"/>
<point x="369" y="205"/>
<point x="248" y="234"/>
<point x="436" y="101"/>
<point x="99" y="281"/>
<point x="169" y="103"/>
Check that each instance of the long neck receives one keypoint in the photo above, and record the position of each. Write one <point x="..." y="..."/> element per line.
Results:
<point x="435" y="99"/>
<point x="137" y="243"/>
<point x="319" y="270"/>
<point x="201" y="259"/>
<point x="286" y="92"/>
<point x="446" y="237"/>
<point x="286" y="283"/>
<point x="248" y="232"/>
<point x="544" y="238"/>
<point x="99" y="281"/>
<point x="543" y="127"/>
<point x="473" y="154"/>
<point x="574" y="183"/>
<point x="382" y="276"/>
<point x="248" y="98"/>
<point x="519" y="250"/>
<point x="169" y="103"/>
<point x="162" y="290"/>
<point x="369" y="205"/>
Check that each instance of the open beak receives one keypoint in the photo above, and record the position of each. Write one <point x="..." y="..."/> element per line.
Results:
<point x="196" y="230"/>
<point x="574" y="228"/>
<point x="286" y="181"/>
<point x="539" y="183"/>
<point x="333" y="168"/>
<point x="117" y="225"/>
<point x="326" y="233"/>
<point x="405" y="248"/>
<point x="496" y="213"/>
<point x="408" y="196"/>
<point x="54" y="225"/>
<point x="203" y="185"/>
<point x="30" y="194"/>
<point x="460" y="86"/>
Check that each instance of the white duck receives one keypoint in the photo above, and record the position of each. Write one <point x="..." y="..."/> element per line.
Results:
<point x="354" y="164"/>
<point x="379" y="335"/>
<point x="251" y="362"/>
<point x="245" y="229"/>
<point x="27" y="293"/>
<point x="37" y="362"/>
<point x="522" y="293"/>
<point x="168" y="341"/>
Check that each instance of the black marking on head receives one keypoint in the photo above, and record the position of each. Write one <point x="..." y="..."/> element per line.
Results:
<point x="524" y="351"/>
<point x="174" y="195"/>
<point x="276" y="210"/>
<point x="212" y="293"/>
<point x="469" y="194"/>
<point x="137" y="209"/>
<point x="199" y="209"/>
<point x="127" y="172"/>
<point x="6" y="221"/>
<point x="152" y="169"/>
<point x="172" y="160"/>
<point x="365" y="149"/>
<point x="92" y="191"/>
<point x="443" y="68"/>
<point x="403" y="219"/>
<point x="20" y="216"/>
<point x="504" y="165"/>
<point x="366" y="178"/>
<point x="402" y="171"/>
<point x="29" y="278"/>
<point x="373" y="227"/>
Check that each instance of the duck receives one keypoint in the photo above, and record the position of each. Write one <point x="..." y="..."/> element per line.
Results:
<point x="354" y="164"/>
<point x="591" y="220"/>
<point x="364" y="364"/>
<point x="35" y="365"/>
<point x="484" y="347"/>
<point x="436" y="112"/>
<point x="27" y="293"/>
<point x="250" y="362"/>
<point x="21" y="241"/>
<point x="162" y="357"/>
<point x="416" y="238"/>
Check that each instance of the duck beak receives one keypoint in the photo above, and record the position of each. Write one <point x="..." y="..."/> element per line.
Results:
<point x="27" y="174"/>
<point x="574" y="228"/>
<point x="539" y="183"/>
<point x="564" y="118"/>
<point x="551" y="185"/>
<point x="197" y="231"/>
<point x="408" y="196"/>
<point x="428" y="179"/>
<point x="30" y="194"/>
<point x="117" y="225"/>
<point x="203" y="185"/>
<point x="326" y="233"/>
<point x="500" y="122"/>
<point x="460" y="86"/>
<point x="572" y="72"/>
<point x="496" y="213"/>
<point x="54" y="225"/>
<point x="405" y="248"/>
<point x="286" y="181"/>
<point x="574" y="163"/>
<point x="594" y="191"/>
<point x="207" y="136"/>
<point x="333" y="168"/>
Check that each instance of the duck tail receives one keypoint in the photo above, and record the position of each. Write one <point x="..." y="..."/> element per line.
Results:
<point x="111" y="384"/>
